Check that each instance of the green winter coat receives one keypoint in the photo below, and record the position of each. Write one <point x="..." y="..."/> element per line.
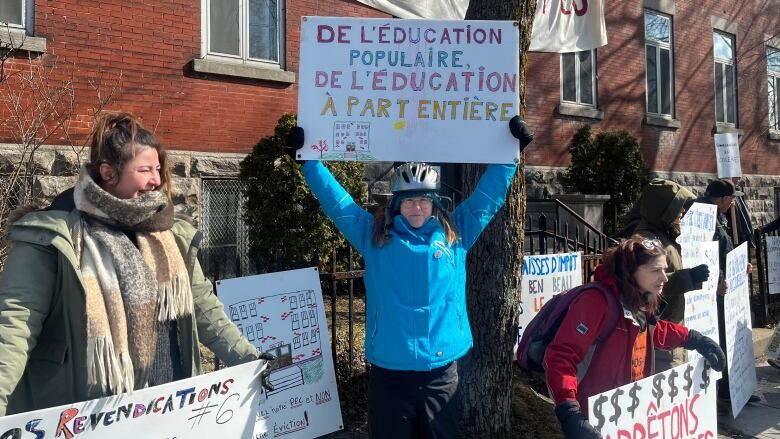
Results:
<point x="659" y="206"/>
<point x="43" y="338"/>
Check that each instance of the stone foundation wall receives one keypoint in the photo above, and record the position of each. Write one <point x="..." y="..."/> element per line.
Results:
<point x="760" y="190"/>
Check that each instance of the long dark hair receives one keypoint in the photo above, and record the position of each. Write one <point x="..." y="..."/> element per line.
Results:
<point x="622" y="261"/>
<point x="115" y="139"/>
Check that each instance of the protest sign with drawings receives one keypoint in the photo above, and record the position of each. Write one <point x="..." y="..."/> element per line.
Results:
<point x="219" y="404"/>
<point x="408" y="90"/>
<point x="677" y="403"/>
<point x="543" y="277"/>
<point x="739" y="330"/>
<point x="727" y="155"/>
<point x="282" y="313"/>
<point x="773" y="263"/>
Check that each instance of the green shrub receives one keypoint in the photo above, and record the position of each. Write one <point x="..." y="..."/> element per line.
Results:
<point x="287" y="229"/>
<point x="611" y="164"/>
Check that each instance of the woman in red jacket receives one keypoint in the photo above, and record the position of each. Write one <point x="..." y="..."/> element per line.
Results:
<point x="576" y="368"/>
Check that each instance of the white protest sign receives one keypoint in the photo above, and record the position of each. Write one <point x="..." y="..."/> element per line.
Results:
<point x="701" y="308"/>
<point x="282" y="313"/>
<point x="727" y="155"/>
<point x="739" y="330"/>
<point x="677" y="403"/>
<point x="218" y="404"/>
<point x="543" y="277"/>
<point x="697" y="225"/>
<point x="773" y="263"/>
<point x="408" y="90"/>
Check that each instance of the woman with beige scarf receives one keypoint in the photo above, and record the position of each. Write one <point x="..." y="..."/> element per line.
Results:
<point x="102" y="292"/>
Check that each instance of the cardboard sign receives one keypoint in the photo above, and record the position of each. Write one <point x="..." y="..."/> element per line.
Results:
<point x="701" y="307"/>
<point x="677" y="403"/>
<point x="773" y="263"/>
<point x="408" y="90"/>
<point x="727" y="155"/>
<point x="282" y="313"/>
<point x="543" y="277"/>
<point x="219" y="404"/>
<point x="739" y="330"/>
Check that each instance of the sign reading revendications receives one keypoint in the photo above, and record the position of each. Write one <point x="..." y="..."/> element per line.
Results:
<point x="408" y="90"/>
<point x="677" y="403"/>
<point x="543" y="277"/>
<point x="282" y="313"/>
<point x="219" y="404"/>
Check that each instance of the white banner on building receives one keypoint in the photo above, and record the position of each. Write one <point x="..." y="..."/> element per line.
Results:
<point x="727" y="155"/>
<point x="739" y="330"/>
<point x="430" y="9"/>
<point x="677" y="403"/>
<point x="219" y="404"/>
<point x="408" y="90"/>
<point x="773" y="263"/>
<point x="282" y="313"/>
<point x="568" y="26"/>
<point x="543" y="277"/>
<point x="701" y="308"/>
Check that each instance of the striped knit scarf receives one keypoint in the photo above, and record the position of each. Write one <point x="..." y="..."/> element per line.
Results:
<point x="130" y="291"/>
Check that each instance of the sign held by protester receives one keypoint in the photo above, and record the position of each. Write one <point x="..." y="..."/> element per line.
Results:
<point x="679" y="402"/>
<point x="697" y="225"/>
<point x="543" y="277"/>
<point x="773" y="263"/>
<point x="408" y="90"/>
<point x="218" y="404"/>
<point x="739" y="332"/>
<point x="701" y="308"/>
<point x="282" y="313"/>
<point x="727" y="155"/>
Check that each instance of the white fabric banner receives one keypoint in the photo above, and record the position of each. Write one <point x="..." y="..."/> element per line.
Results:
<point x="431" y="9"/>
<point x="568" y="26"/>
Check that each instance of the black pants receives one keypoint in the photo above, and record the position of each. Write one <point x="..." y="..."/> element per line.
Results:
<point x="411" y="404"/>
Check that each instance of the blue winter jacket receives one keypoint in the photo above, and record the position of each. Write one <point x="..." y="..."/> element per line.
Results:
<point x="416" y="283"/>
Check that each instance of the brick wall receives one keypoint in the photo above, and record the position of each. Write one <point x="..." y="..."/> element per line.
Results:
<point x="151" y="44"/>
<point x="621" y="89"/>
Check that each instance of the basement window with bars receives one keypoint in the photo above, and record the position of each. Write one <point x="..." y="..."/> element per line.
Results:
<point x="725" y="78"/>
<point x="251" y="31"/>
<point x="773" y="83"/>
<point x="659" y="69"/>
<point x="578" y="77"/>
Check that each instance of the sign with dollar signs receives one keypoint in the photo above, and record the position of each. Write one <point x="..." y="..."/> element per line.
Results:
<point x="676" y="403"/>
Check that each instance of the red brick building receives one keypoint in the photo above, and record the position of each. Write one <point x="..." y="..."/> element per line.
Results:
<point x="657" y="78"/>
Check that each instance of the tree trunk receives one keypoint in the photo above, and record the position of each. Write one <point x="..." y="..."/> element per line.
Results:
<point x="494" y="263"/>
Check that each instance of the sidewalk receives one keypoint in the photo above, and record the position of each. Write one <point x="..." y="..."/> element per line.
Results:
<point x="761" y="419"/>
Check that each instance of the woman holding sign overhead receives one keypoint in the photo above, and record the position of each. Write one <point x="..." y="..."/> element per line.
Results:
<point x="415" y="259"/>
<point x="102" y="292"/>
<point x="577" y="366"/>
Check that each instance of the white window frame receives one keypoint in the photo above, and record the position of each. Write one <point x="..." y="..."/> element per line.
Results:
<point x="593" y="80"/>
<point x="775" y="76"/>
<point x="722" y="63"/>
<point x="658" y="46"/>
<point x="243" y="56"/>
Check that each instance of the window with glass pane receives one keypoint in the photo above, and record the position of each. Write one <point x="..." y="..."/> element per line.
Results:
<point x="578" y="77"/>
<point x="246" y="29"/>
<point x="12" y="12"/>
<point x="659" y="73"/>
<point x="725" y="78"/>
<point x="773" y="86"/>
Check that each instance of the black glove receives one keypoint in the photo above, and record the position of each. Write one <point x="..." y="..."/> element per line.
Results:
<point x="521" y="131"/>
<point x="573" y="422"/>
<point x="295" y="140"/>
<point x="708" y="349"/>
<point x="700" y="273"/>
<point x="265" y="375"/>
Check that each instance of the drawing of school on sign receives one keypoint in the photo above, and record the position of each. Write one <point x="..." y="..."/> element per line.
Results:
<point x="299" y="355"/>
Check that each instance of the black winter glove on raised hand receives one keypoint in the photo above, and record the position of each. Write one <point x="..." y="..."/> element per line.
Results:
<point x="700" y="273"/>
<point x="708" y="349"/>
<point x="573" y="422"/>
<point x="265" y="375"/>
<point x="294" y="143"/>
<point x="521" y="131"/>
